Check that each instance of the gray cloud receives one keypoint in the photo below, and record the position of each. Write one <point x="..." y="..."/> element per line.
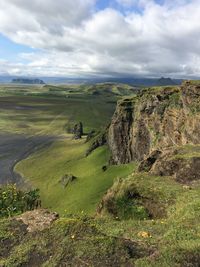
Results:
<point x="74" y="39"/>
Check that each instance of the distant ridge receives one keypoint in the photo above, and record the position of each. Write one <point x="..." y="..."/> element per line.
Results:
<point x="27" y="81"/>
<point x="133" y="81"/>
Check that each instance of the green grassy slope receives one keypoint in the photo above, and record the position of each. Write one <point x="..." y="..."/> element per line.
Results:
<point x="45" y="169"/>
<point x="174" y="238"/>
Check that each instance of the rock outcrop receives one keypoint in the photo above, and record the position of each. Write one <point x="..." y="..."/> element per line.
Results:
<point x="67" y="179"/>
<point x="157" y="119"/>
<point x="78" y="130"/>
<point x="183" y="164"/>
<point x="99" y="140"/>
<point x="37" y="220"/>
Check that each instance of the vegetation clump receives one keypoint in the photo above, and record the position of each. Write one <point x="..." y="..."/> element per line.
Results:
<point x="14" y="201"/>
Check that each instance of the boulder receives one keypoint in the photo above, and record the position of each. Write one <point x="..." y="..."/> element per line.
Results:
<point x="66" y="179"/>
<point x="38" y="220"/>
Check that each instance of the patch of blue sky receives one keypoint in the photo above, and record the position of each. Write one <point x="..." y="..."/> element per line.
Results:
<point x="11" y="51"/>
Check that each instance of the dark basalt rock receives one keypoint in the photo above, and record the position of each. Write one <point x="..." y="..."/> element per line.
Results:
<point x="119" y="133"/>
<point x="78" y="130"/>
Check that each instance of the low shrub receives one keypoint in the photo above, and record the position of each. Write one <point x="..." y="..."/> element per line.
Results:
<point x="14" y="201"/>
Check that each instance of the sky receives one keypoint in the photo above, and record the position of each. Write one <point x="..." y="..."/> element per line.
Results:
<point x="100" y="38"/>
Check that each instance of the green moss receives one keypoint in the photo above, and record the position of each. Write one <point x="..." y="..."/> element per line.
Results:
<point x="175" y="100"/>
<point x="78" y="242"/>
<point x="130" y="208"/>
<point x="187" y="152"/>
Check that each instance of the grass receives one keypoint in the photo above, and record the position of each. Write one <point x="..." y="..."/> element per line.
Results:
<point x="69" y="242"/>
<point x="170" y="241"/>
<point x="175" y="238"/>
<point x="45" y="169"/>
<point x="187" y="152"/>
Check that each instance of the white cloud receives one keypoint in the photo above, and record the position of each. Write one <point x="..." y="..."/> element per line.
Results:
<point x="74" y="39"/>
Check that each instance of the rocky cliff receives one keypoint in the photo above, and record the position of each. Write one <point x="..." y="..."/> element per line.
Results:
<point x="156" y="119"/>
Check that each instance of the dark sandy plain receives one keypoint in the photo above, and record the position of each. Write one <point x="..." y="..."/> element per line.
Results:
<point x="14" y="148"/>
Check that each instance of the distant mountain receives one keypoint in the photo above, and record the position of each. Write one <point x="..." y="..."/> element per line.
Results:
<point x="166" y="81"/>
<point x="133" y="81"/>
<point x="27" y="81"/>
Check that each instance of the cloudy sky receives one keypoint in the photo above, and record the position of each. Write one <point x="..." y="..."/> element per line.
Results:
<point x="86" y="38"/>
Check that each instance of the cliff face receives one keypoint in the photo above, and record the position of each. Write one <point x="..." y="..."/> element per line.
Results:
<point x="156" y="119"/>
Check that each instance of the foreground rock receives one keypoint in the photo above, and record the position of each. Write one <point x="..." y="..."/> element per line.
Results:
<point x="156" y="119"/>
<point x="37" y="220"/>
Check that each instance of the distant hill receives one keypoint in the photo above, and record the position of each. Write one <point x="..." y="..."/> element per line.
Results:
<point x="27" y="81"/>
<point x="110" y="89"/>
<point x="166" y="81"/>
